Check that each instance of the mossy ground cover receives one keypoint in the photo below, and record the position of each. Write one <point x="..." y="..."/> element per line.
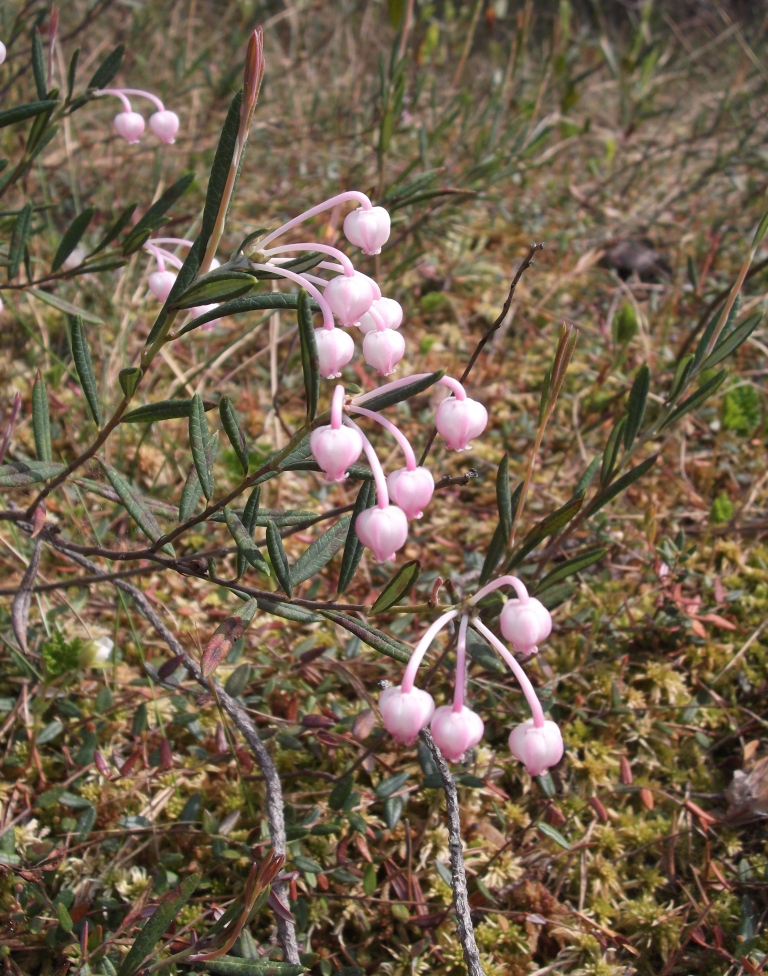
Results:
<point x="117" y="783"/>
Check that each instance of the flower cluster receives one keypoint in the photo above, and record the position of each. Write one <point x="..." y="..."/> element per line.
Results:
<point x="406" y="710"/>
<point x="130" y="125"/>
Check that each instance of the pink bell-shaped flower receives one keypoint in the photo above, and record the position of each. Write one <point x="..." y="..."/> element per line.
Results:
<point x="538" y="748"/>
<point x="406" y="713"/>
<point x="382" y="530"/>
<point x="411" y="490"/>
<point x="456" y="732"/>
<point x="160" y="284"/>
<point x="335" y="450"/>
<point x="165" y="125"/>
<point x="129" y="125"/>
<point x="386" y="309"/>
<point x="367" y="229"/>
<point x="3" y="52"/>
<point x="334" y="350"/>
<point x="383" y="350"/>
<point x="460" y="421"/>
<point x="525" y="624"/>
<point x="350" y="296"/>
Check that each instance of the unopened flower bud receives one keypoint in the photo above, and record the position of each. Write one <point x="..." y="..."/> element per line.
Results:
<point x="537" y="748"/>
<point x="160" y="284"/>
<point x="406" y="713"/>
<point x="335" y="348"/>
<point x="350" y="296"/>
<point x="411" y="490"/>
<point x="382" y="530"/>
<point x="525" y="625"/>
<point x="165" y="125"/>
<point x="335" y="450"/>
<point x="387" y="309"/>
<point x="367" y="229"/>
<point x="129" y="125"/>
<point x="460" y="421"/>
<point x="383" y="350"/>
<point x="456" y="732"/>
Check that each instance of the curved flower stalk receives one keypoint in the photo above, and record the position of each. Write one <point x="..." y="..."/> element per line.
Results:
<point x="130" y="125"/>
<point x="537" y="742"/>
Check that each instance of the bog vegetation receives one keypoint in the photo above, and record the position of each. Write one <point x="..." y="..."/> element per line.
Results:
<point x="195" y="772"/>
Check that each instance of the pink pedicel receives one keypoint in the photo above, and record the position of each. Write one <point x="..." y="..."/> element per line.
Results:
<point x="456" y="732"/>
<point x="411" y="490"/>
<point x="537" y="747"/>
<point x="459" y="421"/>
<point x="382" y="530"/>
<point x="129" y="125"/>
<point x="350" y="296"/>
<point x="367" y="229"/>
<point x="383" y="350"/>
<point x="165" y="125"/>
<point x="525" y="625"/>
<point x="383" y="310"/>
<point x="406" y="713"/>
<point x="160" y="284"/>
<point x="334" y="350"/>
<point x="335" y="449"/>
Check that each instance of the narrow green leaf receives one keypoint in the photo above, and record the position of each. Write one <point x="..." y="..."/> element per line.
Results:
<point x="222" y="163"/>
<point x="162" y="410"/>
<point x="72" y="237"/>
<point x="67" y="307"/>
<point x="136" y="507"/>
<point x="638" y="398"/>
<point x="154" y="217"/>
<point x="546" y="527"/>
<point x="41" y="421"/>
<point x="253" y="303"/>
<point x="129" y="380"/>
<point x="245" y="544"/>
<point x="587" y="478"/>
<point x="158" y="924"/>
<point x="234" y="432"/>
<point x="288" y="611"/>
<point x="387" y="787"/>
<point x="65" y="919"/>
<point x="569" y="568"/>
<point x="235" y="966"/>
<point x="21" y="113"/>
<point x="399" y="586"/>
<point x="374" y="638"/>
<point x="223" y="640"/>
<point x="81" y="356"/>
<point x="22" y="473"/>
<point x="353" y="548"/>
<point x="504" y="496"/>
<point x="199" y="442"/>
<point x="495" y="553"/>
<point x="108" y="68"/>
<point x="217" y="286"/>
<point x="682" y="372"/>
<point x="116" y="228"/>
<point x="72" y="73"/>
<point x="729" y="343"/>
<point x="382" y="400"/>
<point x="279" y="559"/>
<point x="612" y="448"/>
<point x="320" y="552"/>
<point x="38" y="66"/>
<point x="711" y="326"/>
<point x="695" y="400"/>
<point x="190" y="496"/>
<point x="624" y="482"/>
<point x="310" y="362"/>
<point x="19" y="237"/>
<point x="250" y="518"/>
<point x="553" y="834"/>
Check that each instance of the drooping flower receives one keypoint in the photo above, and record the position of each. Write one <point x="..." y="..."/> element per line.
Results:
<point x="334" y="350"/>
<point x="525" y="625"/>
<point x="412" y="489"/>
<point x="385" y="309"/>
<point x="3" y="52"/>
<point x="383" y="349"/>
<point x="165" y="125"/>
<point x="456" y="732"/>
<point x="537" y="747"/>
<point x="459" y="421"/>
<point x="129" y="125"/>
<point x="350" y="296"/>
<point x="405" y="714"/>
<point x="367" y="229"/>
<point x="160" y="284"/>
<point x="382" y="530"/>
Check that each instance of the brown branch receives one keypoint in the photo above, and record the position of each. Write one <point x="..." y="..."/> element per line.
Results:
<point x="458" y="875"/>
<point x="525" y="264"/>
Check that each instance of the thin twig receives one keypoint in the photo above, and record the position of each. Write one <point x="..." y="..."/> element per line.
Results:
<point x="458" y="875"/>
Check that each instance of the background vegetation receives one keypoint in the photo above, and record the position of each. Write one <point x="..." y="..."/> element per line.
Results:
<point x="485" y="128"/>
